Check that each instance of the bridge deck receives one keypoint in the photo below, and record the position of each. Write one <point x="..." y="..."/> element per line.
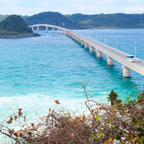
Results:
<point x="115" y="54"/>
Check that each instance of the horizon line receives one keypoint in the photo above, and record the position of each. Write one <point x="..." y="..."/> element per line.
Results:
<point x="72" y="13"/>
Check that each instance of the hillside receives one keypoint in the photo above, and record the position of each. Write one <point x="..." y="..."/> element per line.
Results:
<point x="82" y="21"/>
<point x="53" y="18"/>
<point x="118" y="20"/>
<point x="13" y="26"/>
<point x="2" y="17"/>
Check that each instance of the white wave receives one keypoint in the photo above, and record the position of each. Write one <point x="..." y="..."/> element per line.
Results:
<point x="38" y="104"/>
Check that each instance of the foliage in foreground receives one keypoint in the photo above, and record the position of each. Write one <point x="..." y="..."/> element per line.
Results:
<point x="121" y="123"/>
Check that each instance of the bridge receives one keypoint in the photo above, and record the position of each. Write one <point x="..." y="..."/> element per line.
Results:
<point x="47" y="26"/>
<point x="100" y="49"/>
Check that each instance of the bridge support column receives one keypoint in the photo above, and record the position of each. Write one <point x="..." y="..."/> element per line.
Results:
<point x="110" y="61"/>
<point x="32" y="28"/>
<point x="91" y="49"/>
<point x="46" y="28"/>
<point x="99" y="54"/>
<point x="82" y="43"/>
<point x="78" y="41"/>
<point x="53" y="29"/>
<point x="86" y="45"/>
<point x="126" y="72"/>
<point x="38" y="28"/>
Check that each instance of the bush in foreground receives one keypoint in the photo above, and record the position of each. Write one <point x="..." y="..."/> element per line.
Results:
<point x="121" y="123"/>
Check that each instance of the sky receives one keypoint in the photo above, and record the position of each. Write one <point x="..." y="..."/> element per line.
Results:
<point x="30" y="7"/>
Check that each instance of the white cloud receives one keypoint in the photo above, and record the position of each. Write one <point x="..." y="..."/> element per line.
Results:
<point x="133" y="9"/>
<point x="72" y="6"/>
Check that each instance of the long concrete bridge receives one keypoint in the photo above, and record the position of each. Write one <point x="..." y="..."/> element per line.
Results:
<point x="47" y="26"/>
<point x="100" y="49"/>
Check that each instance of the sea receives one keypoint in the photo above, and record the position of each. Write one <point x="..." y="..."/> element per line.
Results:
<point x="36" y="71"/>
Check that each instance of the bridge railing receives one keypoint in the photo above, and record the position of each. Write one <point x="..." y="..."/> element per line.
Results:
<point x="47" y="25"/>
<point x="111" y="53"/>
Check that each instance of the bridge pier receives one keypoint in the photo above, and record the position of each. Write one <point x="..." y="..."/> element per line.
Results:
<point x="32" y="28"/>
<point x="78" y="41"/>
<point x="99" y="54"/>
<point x="91" y="49"/>
<point x="86" y="45"/>
<point x="126" y="72"/>
<point x="53" y="29"/>
<point x="112" y="54"/>
<point x="82" y="43"/>
<point x="46" y="28"/>
<point x="38" y="28"/>
<point x="110" y="61"/>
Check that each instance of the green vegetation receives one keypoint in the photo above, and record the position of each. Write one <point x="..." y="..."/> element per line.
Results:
<point x="82" y="21"/>
<point x="118" y="20"/>
<point x="14" y="26"/>
<point x="2" y="17"/>
<point x="53" y="18"/>
<point x="113" y="98"/>
<point x="120" y="123"/>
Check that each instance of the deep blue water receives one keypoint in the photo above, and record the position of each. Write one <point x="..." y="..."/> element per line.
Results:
<point x="36" y="71"/>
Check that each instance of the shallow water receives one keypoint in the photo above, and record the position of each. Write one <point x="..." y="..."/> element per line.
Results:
<point x="36" y="71"/>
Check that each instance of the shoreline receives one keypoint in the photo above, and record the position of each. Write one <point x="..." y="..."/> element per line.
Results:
<point x="21" y="36"/>
<point x="106" y="28"/>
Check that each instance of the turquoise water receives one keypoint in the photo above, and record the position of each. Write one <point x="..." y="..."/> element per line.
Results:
<point x="36" y="71"/>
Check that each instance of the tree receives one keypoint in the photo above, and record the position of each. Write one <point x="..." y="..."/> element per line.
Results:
<point x="113" y="98"/>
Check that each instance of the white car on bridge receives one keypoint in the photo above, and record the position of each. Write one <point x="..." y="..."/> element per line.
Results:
<point x="131" y="58"/>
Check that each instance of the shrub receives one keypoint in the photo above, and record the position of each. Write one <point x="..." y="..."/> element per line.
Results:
<point x="117" y="123"/>
<point x="113" y="98"/>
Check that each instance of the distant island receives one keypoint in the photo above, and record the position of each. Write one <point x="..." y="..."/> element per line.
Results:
<point x="83" y="21"/>
<point x="14" y="26"/>
<point x="78" y="21"/>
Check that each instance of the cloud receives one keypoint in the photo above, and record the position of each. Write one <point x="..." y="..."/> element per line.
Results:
<point x="133" y="9"/>
<point x="30" y="7"/>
